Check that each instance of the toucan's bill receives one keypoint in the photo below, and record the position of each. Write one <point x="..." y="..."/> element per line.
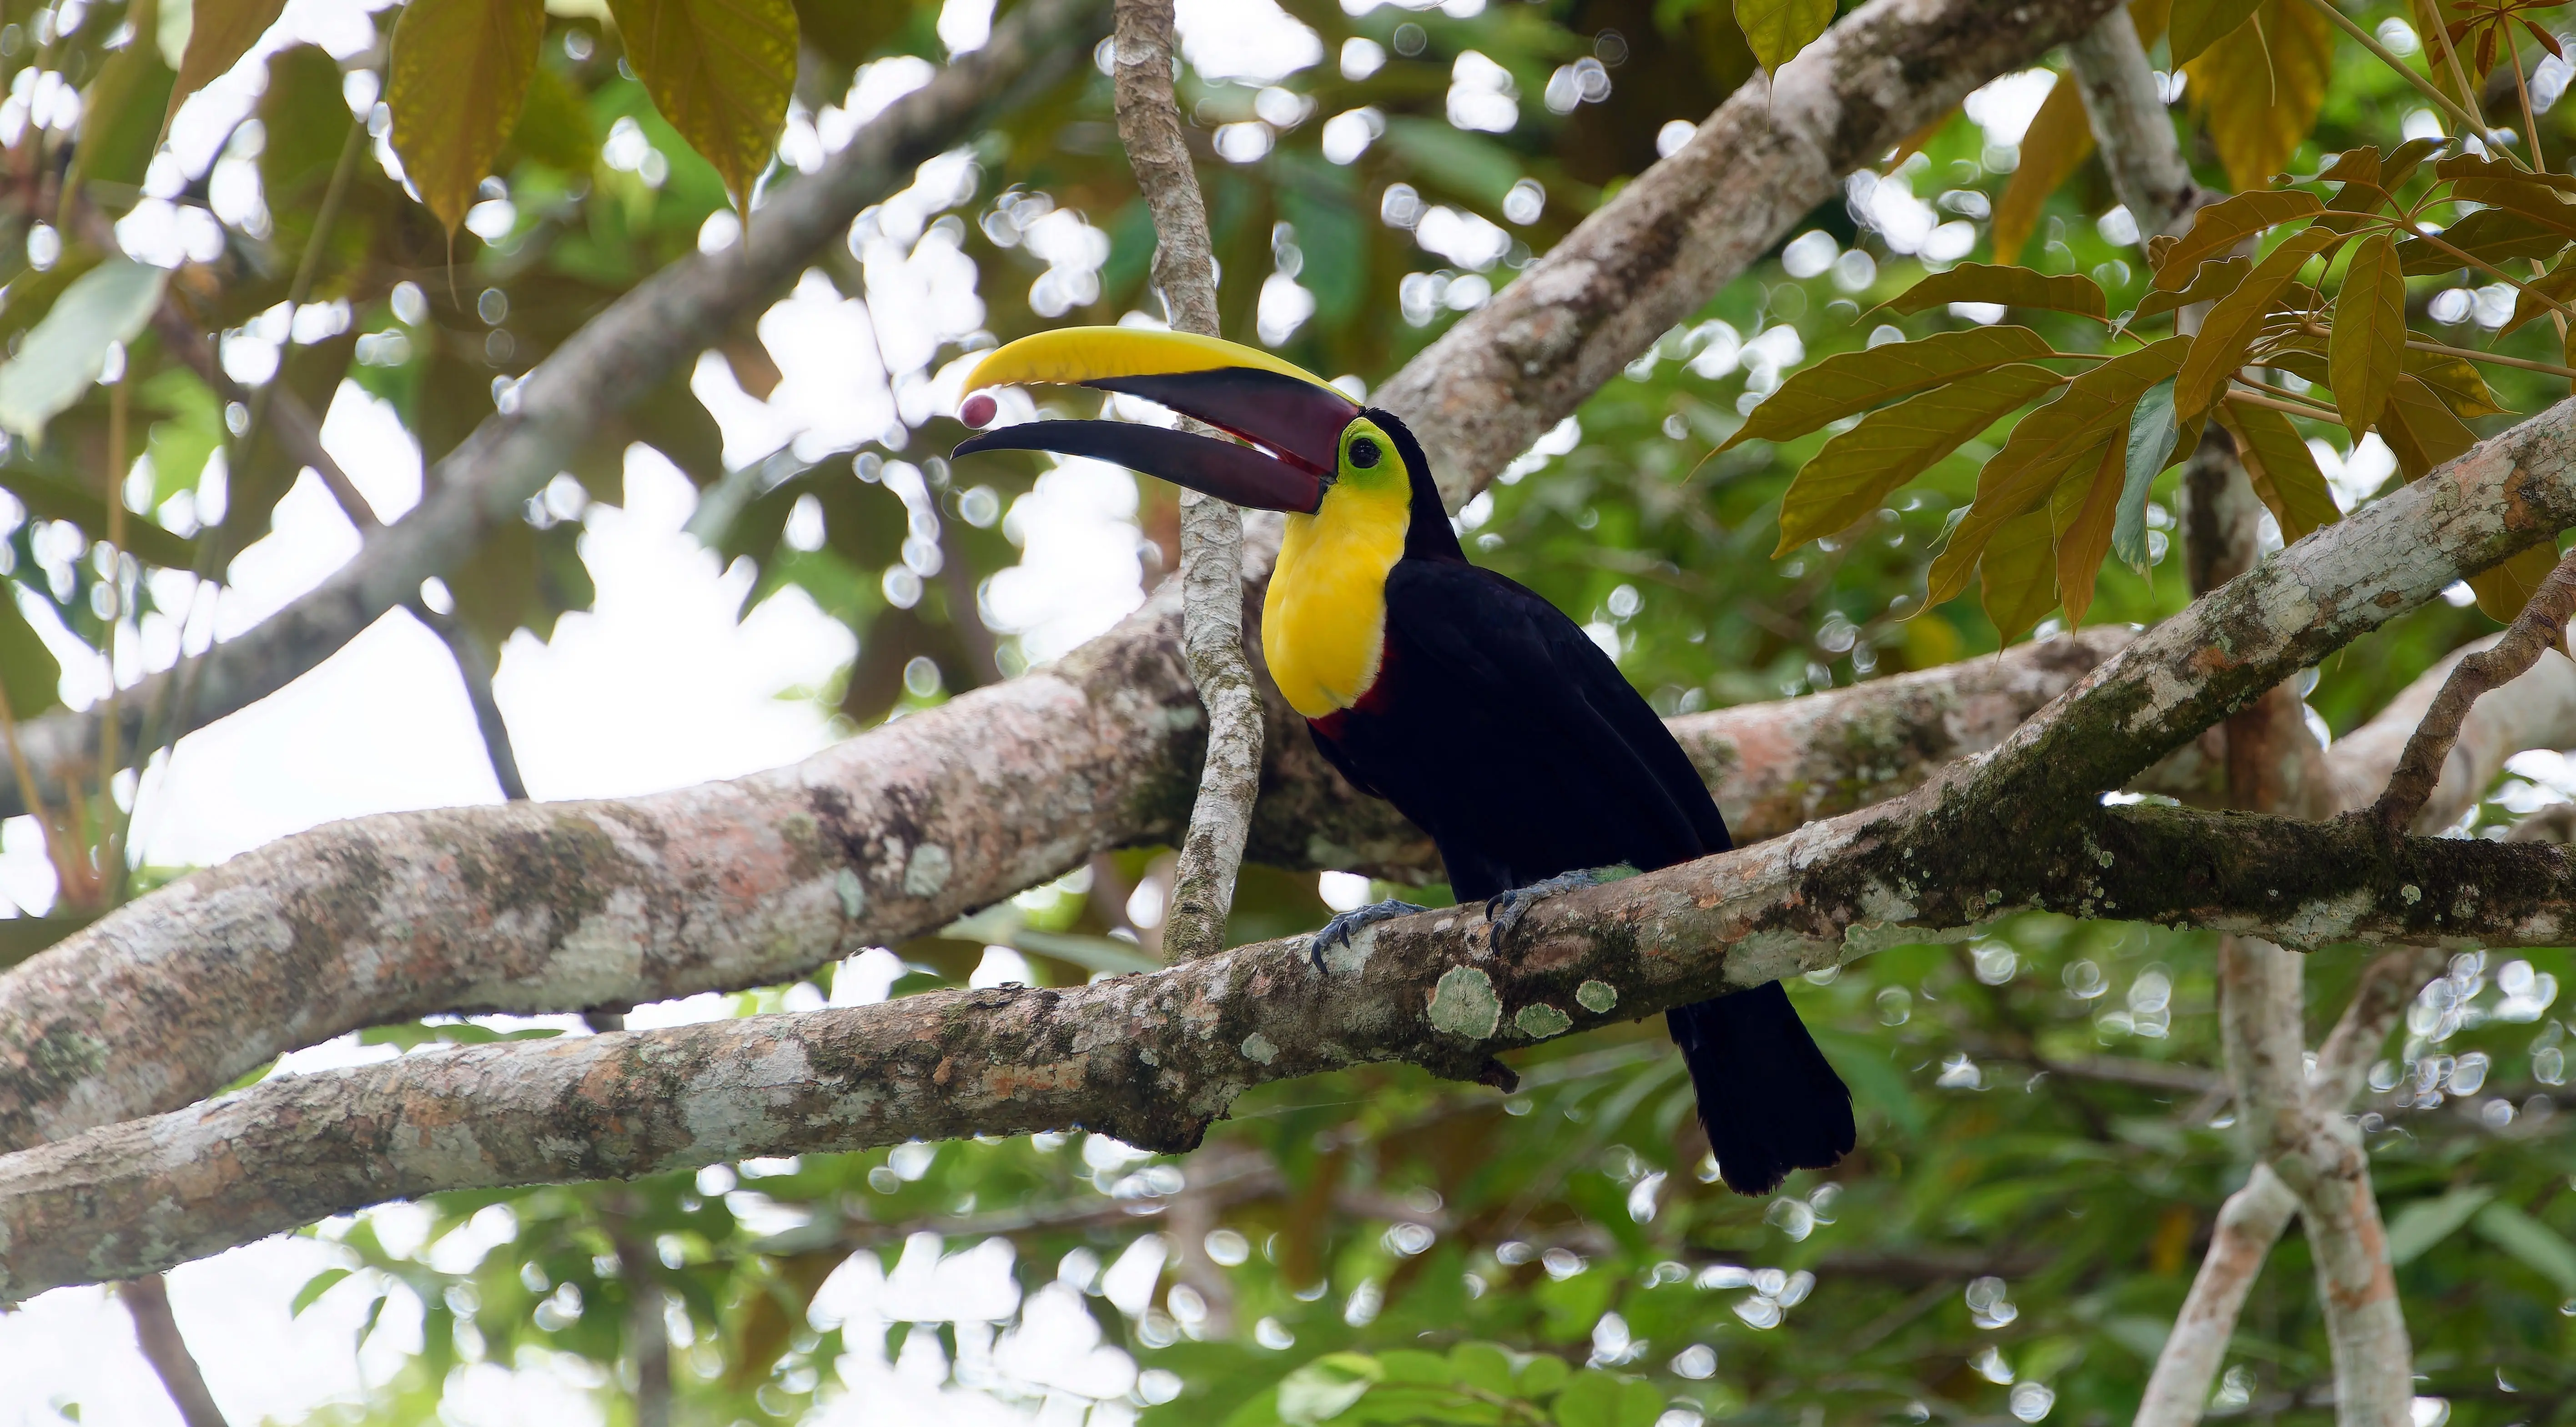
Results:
<point x="1294" y="417"/>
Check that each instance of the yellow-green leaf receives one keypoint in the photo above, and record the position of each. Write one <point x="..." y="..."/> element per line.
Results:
<point x="220" y="32"/>
<point x="2018" y="577"/>
<point x="2008" y="286"/>
<point x="2490" y="235"/>
<point x="2281" y="468"/>
<point x="721" y="72"/>
<point x="2045" y="445"/>
<point x="2055" y="145"/>
<point x="2456" y="382"/>
<point x="2419" y="429"/>
<point x="1850" y="382"/>
<point x="456" y="82"/>
<point x="2215" y="280"/>
<point x="1778" y="29"/>
<point x="2559" y="283"/>
<point x="2503" y="590"/>
<point x="2080" y="513"/>
<point x="2236" y="319"/>
<point x="2259" y="96"/>
<point x="2362" y="357"/>
<point x="1854" y="472"/>
<point x="2218" y="228"/>
<point x="2198" y="24"/>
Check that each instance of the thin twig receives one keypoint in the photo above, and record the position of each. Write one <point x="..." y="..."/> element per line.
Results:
<point x="112" y="852"/>
<point x="474" y="666"/>
<point x="2430" y="90"/>
<point x="156" y="1332"/>
<point x="2542" y="623"/>
<point x="1149" y="122"/>
<point x="2497" y="358"/>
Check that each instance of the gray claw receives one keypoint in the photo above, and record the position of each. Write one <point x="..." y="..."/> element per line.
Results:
<point x="1339" y="929"/>
<point x="1505" y="910"/>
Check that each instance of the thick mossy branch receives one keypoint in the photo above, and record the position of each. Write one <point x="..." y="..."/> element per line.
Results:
<point x="1155" y="1058"/>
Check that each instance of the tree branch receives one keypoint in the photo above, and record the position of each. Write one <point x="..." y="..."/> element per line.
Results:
<point x="616" y="359"/>
<point x="2130" y="126"/>
<point x="894" y="834"/>
<point x="1155" y="1058"/>
<point x="1211" y="530"/>
<point x="156" y="1334"/>
<point x="2542" y="623"/>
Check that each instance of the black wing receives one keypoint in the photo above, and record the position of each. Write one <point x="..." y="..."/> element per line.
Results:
<point x="1563" y="749"/>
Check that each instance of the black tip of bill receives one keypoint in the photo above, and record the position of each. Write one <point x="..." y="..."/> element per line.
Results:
<point x="1229" y="472"/>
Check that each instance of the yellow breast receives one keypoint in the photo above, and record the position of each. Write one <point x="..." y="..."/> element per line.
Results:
<point x="1323" y="623"/>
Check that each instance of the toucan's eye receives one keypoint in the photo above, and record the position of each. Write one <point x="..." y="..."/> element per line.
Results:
<point x="1364" y="453"/>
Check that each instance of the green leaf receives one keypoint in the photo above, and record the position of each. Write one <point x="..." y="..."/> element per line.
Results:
<point x="1590" y="1400"/>
<point x="1543" y="1375"/>
<point x="1856" y="469"/>
<point x="456" y="83"/>
<point x="1415" y="1366"/>
<point x="2010" y="286"/>
<point x="2369" y="335"/>
<point x="2491" y="235"/>
<point x="1323" y="1388"/>
<point x="2045" y="445"/>
<point x="720" y="71"/>
<point x="121" y="111"/>
<point x="2420" y="430"/>
<point x="2018" y="575"/>
<point x="2153" y="426"/>
<point x="554" y="125"/>
<point x="2198" y="24"/>
<point x="66" y="351"/>
<point x="2540" y="1247"/>
<point x="2559" y="282"/>
<point x="28" y="670"/>
<point x="2237" y="319"/>
<point x="1778" y="29"/>
<point x="2218" y="228"/>
<point x="1640" y="1403"/>
<point x="2281" y="467"/>
<point x="2081" y="514"/>
<point x="1850" y="382"/>
<point x="2214" y="280"/>
<point x="2503" y="589"/>
<point x="2426" y="1222"/>
<point x="1485" y="1367"/>
<point x="313" y="1289"/>
<point x="2455" y="380"/>
<point x="2058" y="141"/>
<point x="220" y="32"/>
<point x="23" y="936"/>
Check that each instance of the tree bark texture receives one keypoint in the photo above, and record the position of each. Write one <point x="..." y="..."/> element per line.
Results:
<point x="1155" y="1058"/>
<point x="1211" y="852"/>
<point x="881" y="839"/>
<point x="1495" y="382"/>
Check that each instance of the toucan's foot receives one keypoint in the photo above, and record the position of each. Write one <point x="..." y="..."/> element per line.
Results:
<point x="1505" y="912"/>
<point x="1339" y="929"/>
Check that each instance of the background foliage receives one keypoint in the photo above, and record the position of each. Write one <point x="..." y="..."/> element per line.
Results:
<point x="2044" y="1142"/>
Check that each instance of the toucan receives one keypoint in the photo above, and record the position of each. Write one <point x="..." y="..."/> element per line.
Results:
<point x="1482" y="712"/>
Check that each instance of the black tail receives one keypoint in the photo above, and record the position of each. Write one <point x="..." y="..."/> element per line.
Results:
<point x="1769" y="1098"/>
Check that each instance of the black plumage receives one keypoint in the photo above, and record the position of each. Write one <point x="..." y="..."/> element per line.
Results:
<point x="1504" y="732"/>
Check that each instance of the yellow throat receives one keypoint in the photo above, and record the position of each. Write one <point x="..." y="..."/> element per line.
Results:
<point x="1323" y="623"/>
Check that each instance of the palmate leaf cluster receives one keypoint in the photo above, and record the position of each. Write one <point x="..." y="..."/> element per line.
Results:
<point x="2043" y="1145"/>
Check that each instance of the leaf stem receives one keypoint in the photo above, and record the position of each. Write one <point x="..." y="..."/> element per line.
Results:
<point x="2498" y="358"/>
<point x="2468" y="122"/>
<point x="2294" y="408"/>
